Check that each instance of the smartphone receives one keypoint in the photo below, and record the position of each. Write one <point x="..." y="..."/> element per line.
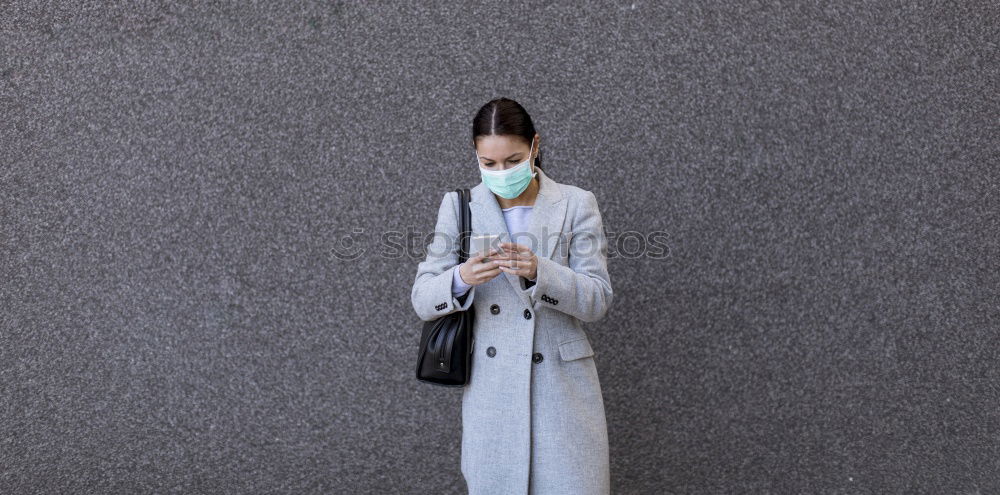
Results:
<point x="483" y="243"/>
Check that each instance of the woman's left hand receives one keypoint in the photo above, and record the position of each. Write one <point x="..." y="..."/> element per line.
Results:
<point x="517" y="259"/>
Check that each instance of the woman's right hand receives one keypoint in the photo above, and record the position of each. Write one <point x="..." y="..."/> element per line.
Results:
<point x="474" y="271"/>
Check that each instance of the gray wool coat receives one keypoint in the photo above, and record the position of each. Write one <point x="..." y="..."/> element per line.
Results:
<point x="532" y="413"/>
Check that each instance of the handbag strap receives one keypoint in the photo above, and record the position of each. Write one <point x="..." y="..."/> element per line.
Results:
<point x="464" y="224"/>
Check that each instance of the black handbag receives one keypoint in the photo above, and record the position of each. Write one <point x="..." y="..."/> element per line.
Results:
<point x="446" y="344"/>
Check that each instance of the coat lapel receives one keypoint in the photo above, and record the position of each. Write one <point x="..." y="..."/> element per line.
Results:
<point x="545" y="227"/>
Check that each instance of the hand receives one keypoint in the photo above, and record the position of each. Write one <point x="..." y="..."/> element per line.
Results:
<point x="518" y="259"/>
<point x="475" y="271"/>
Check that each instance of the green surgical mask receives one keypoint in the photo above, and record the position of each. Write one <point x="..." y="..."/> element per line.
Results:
<point x="509" y="183"/>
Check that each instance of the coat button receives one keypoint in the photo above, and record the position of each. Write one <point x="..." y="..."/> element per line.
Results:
<point x="527" y="315"/>
<point x="537" y="357"/>
<point x="491" y="351"/>
<point x="494" y="309"/>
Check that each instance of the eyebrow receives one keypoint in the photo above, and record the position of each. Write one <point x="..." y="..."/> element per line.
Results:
<point x="508" y="158"/>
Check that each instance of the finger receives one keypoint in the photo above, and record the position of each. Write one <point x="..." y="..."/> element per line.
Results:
<point x="512" y="246"/>
<point x="481" y="256"/>
<point x="500" y="257"/>
<point x="492" y="264"/>
<point x="486" y="266"/>
<point x="520" y="256"/>
<point x="512" y="256"/>
<point x="520" y="250"/>
<point x="514" y="263"/>
<point x="491" y="252"/>
<point x="502" y="261"/>
<point x="492" y="272"/>
<point x="488" y="274"/>
<point x="514" y="271"/>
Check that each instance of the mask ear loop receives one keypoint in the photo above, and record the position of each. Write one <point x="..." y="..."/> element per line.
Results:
<point x="534" y="170"/>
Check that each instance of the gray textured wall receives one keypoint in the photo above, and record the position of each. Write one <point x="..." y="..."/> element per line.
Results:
<point x="178" y="181"/>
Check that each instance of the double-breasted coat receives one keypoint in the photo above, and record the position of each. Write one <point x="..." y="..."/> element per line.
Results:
<point x="533" y="417"/>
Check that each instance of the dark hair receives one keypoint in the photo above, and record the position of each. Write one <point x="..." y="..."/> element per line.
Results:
<point x="504" y="116"/>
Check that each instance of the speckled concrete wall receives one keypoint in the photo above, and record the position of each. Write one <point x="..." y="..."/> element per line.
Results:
<point x="211" y="216"/>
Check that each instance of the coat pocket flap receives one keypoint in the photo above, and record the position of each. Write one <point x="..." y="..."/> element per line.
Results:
<point x="575" y="349"/>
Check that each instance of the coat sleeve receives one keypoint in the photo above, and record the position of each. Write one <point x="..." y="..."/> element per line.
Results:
<point x="432" y="295"/>
<point x="582" y="289"/>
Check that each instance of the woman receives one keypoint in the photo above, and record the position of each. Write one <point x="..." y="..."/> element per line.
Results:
<point x="532" y="413"/>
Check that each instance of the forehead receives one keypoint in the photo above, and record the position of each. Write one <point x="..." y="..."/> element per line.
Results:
<point x="500" y="147"/>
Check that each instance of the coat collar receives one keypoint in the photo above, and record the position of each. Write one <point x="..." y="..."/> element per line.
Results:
<point x="545" y="227"/>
